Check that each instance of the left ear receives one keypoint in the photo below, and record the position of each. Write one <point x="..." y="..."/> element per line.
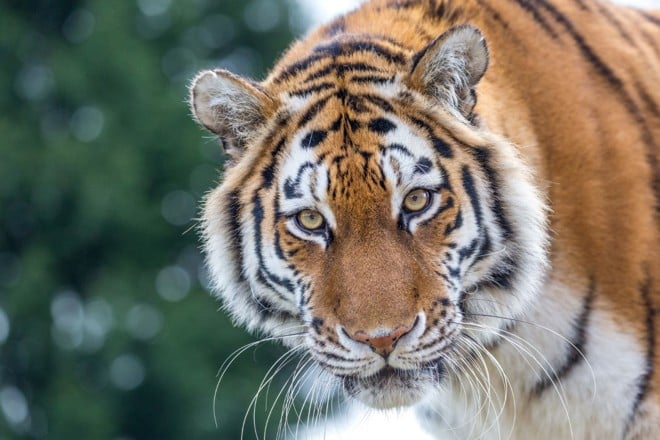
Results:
<point x="450" y="66"/>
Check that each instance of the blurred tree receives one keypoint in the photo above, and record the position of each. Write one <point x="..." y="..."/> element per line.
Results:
<point x="106" y="330"/>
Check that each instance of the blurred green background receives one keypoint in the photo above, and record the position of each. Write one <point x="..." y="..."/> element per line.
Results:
<point x="107" y="330"/>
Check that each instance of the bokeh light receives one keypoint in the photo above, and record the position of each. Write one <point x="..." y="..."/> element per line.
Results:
<point x="144" y="321"/>
<point x="14" y="407"/>
<point x="127" y="372"/>
<point x="178" y="207"/>
<point x="79" y="26"/>
<point x="87" y="123"/>
<point x="5" y="326"/>
<point x="173" y="283"/>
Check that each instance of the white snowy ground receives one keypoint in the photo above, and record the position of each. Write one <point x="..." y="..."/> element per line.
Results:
<point x="359" y="423"/>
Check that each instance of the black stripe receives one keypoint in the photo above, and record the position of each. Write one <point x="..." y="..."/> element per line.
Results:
<point x="379" y="102"/>
<point x="582" y="5"/>
<point x="651" y="41"/>
<point x="298" y="67"/>
<point x="644" y="381"/>
<point x="236" y="245"/>
<point x="402" y="4"/>
<point x="440" y="146"/>
<point x="649" y="17"/>
<point x="471" y="190"/>
<point x="268" y="278"/>
<point x="458" y="222"/>
<point x="493" y="13"/>
<point x="486" y="246"/>
<point x="268" y="173"/>
<point x="341" y="69"/>
<point x="340" y="48"/>
<point x="312" y="89"/>
<point x="588" y="52"/>
<point x="313" y="111"/>
<point x="446" y="11"/>
<point x="372" y="79"/>
<point x="650" y="103"/>
<point x="398" y="147"/>
<point x="501" y="276"/>
<point x="423" y="166"/>
<point x="313" y="139"/>
<point x="616" y="23"/>
<point x="482" y="156"/>
<point x="381" y="125"/>
<point x="576" y="350"/>
<point x="532" y="9"/>
<point x="382" y="38"/>
<point x="291" y="186"/>
<point x="468" y="251"/>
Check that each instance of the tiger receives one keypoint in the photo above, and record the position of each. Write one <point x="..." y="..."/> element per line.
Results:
<point x="453" y="206"/>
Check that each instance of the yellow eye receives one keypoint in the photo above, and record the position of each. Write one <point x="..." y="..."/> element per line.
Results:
<point x="416" y="200"/>
<point x="310" y="219"/>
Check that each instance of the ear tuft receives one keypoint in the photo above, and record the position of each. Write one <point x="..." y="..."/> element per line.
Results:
<point x="229" y="106"/>
<point x="450" y="66"/>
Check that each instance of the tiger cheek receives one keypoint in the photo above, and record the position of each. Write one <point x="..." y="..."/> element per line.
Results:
<point x="306" y="256"/>
<point x="436" y="233"/>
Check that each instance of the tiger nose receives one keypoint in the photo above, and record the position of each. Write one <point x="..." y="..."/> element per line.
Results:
<point x="382" y="344"/>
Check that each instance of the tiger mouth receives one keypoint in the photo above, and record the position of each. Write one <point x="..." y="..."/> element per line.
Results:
<point x="393" y="387"/>
<point x="384" y="378"/>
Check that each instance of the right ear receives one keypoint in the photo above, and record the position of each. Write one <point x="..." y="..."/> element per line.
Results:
<point x="231" y="107"/>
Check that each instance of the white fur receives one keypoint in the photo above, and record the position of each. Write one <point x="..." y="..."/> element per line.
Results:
<point x="405" y="166"/>
<point x="599" y="388"/>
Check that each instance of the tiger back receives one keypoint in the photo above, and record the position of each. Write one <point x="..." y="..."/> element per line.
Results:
<point x="454" y="205"/>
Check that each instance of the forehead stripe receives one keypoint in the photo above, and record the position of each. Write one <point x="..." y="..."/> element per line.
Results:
<point x="381" y="125"/>
<point x="313" y="139"/>
<point x="440" y="146"/>
<point x="400" y="148"/>
<point x="292" y="186"/>
<point x="341" y="70"/>
<point x="341" y="48"/>
<point x="313" y="111"/>
<point x="423" y="166"/>
<point x="312" y="89"/>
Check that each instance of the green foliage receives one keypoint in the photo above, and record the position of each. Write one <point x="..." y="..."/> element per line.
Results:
<point x="111" y="333"/>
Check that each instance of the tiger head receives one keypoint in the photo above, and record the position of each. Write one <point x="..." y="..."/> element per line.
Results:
<point x="366" y="214"/>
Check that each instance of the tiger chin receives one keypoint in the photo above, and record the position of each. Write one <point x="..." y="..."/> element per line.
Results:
<point x="453" y="205"/>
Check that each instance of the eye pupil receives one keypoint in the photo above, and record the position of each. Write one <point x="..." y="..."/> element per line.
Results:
<point x="310" y="219"/>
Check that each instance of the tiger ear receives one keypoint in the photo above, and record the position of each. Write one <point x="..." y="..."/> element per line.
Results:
<point x="231" y="107"/>
<point x="450" y="66"/>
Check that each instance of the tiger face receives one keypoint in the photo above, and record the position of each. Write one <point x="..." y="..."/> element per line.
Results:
<point x="367" y="215"/>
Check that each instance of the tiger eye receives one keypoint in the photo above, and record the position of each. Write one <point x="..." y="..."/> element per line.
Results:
<point x="310" y="219"/>
<point x="416" y="200"/>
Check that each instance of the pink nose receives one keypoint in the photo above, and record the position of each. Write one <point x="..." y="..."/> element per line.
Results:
<point x="384" y="344"/>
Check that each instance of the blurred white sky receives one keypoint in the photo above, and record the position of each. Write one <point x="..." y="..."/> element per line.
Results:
<point x="358" y="424"/>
